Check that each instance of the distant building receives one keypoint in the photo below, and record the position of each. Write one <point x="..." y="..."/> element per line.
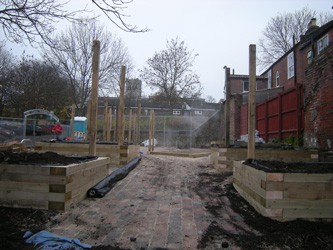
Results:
<point x="133" y="88"/>
<point x="185" y="107"/>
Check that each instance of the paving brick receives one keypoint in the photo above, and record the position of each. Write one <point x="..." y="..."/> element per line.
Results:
<point x="159" y="211"/>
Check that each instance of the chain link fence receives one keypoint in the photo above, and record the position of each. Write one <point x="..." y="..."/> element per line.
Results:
<point x="170" y="131"/>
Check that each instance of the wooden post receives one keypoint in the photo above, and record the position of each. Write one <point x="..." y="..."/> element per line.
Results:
<point x="227" y="107"/>
<point x="72" y="122"/>
<point x="108" y="130"/>
<point x="150" y="127"/>
<point x="134" y="123"/>
<point x="130" y="126"/>
<point x="121" y="107"/>
<point x="252" y="103"/>
<point x="123" y="126"/>
<point x="115" y="124"/>
<point x="153" y="129"/>
<point x="88" y="120"/>
<point x="139" y="123"/>
<point x="105" y="126"/>
<point x="94" y="98"/>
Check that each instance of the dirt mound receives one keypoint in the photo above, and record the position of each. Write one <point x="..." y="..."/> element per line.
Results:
<point x="47" y="158"/>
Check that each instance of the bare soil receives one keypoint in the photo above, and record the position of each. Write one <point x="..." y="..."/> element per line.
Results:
<point x="213" y="187"/>
<point x="48" y="158"/>
<point x="291" y="167"/>
<point x="267" y="233"/>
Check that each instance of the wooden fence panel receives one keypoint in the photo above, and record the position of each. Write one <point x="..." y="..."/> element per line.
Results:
<point x="278" y="117"/>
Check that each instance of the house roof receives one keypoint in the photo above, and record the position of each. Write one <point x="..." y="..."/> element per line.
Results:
<point x="246" y="77"/>
<point x="150" y="103"/>
<point x="315" y="34"/>
<point x="305" y="41"/>
<point x="278" y="60"/>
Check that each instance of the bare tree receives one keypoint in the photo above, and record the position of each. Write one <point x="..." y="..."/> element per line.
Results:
<point x="280" y="31"/>
<point x="170" y="72"/>
<point x="210" y="99"/>
<point x="6" y="65"/>
<point x="114" y="12"/>
<point x="28" y="19"/>
<point x="73" y="55"/>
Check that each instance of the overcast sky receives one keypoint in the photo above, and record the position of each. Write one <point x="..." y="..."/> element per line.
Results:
<point x="220" y="31"/>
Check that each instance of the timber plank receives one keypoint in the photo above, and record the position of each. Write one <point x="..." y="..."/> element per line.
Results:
<point x="24" y="186"/>
<point x="250" y="193"/>
<point x="239" y="154"/>
<point x="101" y="161"/>
<point x="255" y="201"/>
<point x="34" y="178"/>
<point x="292" y="203"/>
<point x="303" y="177"/>
<point x="308" y="194"/>
<point x="24" y="169"/>
<point x="307" y="213"/>
<point x="298" y="186"/>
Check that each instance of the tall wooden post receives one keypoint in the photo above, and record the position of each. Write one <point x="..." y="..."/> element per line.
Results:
<point x="88" y="120"/>
<point x="252" y="103"/>
<point x="150" y="128"/>
<point x="134" y="124"/>
<point x="115" y="138"/>
<point x="130" y="126"/>
<point x="72" y="121"/>
<point x="94" y="98"/>
<point x="105" y="126"/>
<point x="108" y="131"/>
<point x="153" y="131"/>
<point x="123" y="126"/>
<point x="139" y="123"/>
<point x="121" y="107"/>
<point x="227" y="107"/>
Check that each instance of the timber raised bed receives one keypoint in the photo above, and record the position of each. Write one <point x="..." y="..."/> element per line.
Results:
<point x="52" y="186"/>
<point x="287" y="192"/>
<point x="119" y="155"/>
<point x="222" y="158"/>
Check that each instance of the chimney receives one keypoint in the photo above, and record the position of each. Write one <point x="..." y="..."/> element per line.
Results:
<point x="312" y="23"/>
<point x="312" y="26"/>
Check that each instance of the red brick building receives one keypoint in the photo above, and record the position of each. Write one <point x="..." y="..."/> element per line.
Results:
<point x="309" y="63"/>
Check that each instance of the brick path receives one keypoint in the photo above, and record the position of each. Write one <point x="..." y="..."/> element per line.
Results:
<point x="155" y="206"/>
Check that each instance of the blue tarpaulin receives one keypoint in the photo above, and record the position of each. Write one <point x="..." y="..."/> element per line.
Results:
<point x="49" y="241"/>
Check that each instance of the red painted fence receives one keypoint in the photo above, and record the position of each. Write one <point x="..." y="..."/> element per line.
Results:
<point x="278" y="117"/>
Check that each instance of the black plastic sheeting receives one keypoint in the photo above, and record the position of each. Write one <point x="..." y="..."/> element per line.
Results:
<point x="104" y="186"/>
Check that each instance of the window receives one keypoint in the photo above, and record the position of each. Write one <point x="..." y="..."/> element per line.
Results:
<point x="277" y="79"/>
<point x="322" y="43"/>
<point x="176" y="112"/>
<point x="270" y="79"/>
<point x="290" y="65"/>
<point x="245" y="86"/>
<point x="309" y="56"/>
<point x="198" y="112"/>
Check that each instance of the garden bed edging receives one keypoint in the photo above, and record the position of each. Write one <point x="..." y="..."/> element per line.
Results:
<point x="285" y="196"/>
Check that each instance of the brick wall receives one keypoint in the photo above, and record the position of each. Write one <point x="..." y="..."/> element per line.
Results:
<point x="318" y="93"/>
<point x="236" y="86"/>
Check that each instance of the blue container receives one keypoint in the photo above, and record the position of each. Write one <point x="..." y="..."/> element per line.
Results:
<point x="80" y="124"/>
